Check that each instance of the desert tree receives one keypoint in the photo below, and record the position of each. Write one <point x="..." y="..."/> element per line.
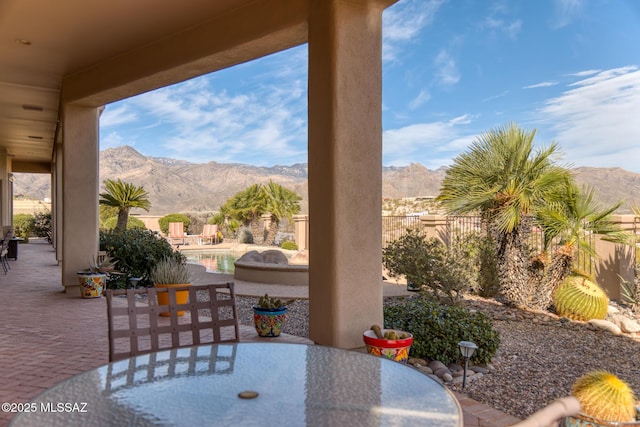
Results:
<point x="124" y="196"/>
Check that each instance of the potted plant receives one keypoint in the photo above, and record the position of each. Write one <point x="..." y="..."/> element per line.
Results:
<point x="93" y="280"/>
<point x="605" y="400"/>
<point x="171" y="272"/>
<point x="389" y="343"/>
<point x="269" y="315"/>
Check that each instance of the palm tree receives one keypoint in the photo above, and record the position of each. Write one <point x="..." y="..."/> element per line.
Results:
<point x="247" y="206"/>
<point x="124" y="196"/>
<point x="505" y="180"/>
<point x="570" y="220"/>
<point x="281" y="203"/>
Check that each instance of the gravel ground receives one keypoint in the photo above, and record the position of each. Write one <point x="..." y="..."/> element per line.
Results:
<point x="540" y="355"/>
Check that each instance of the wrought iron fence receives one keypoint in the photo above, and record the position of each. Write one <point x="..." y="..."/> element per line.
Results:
<point x="394" y="227"/>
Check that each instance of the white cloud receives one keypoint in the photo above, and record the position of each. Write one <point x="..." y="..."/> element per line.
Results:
<point x="264" y="124"/>
<point x="446" y="69"/>
<point x="422" y="98"/>
<point x="492" y="97"/>
<point x="595" y="121"/>
<point x="585" y="73"/>
<point x="113" y="116"/>
<point x="565" y="12"/>
<point x="496" y="22"/>
<point x="511" y="29"/>
<point x="432" y="144"/>
<point x="542" y="84"/>
<point x="403" y="22"/>
<point x="112" y="139"/>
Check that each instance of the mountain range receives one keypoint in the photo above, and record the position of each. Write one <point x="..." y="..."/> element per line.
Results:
<point x="181" y="186"/>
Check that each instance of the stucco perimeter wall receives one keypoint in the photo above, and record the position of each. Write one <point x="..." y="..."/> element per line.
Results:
<point x="281" y="274"/>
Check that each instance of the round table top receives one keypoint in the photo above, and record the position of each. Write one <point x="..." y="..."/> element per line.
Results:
<point x="248" y="384"/>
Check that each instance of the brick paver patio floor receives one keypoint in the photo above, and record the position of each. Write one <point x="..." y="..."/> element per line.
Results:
<point x="48" y="336"/>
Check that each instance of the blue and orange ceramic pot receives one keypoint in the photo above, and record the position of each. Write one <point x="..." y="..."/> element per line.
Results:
<point x="269" y="322"/>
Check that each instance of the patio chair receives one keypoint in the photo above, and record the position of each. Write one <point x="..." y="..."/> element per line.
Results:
<point x="176" y="233"/>
<point x="135" y="326"/>
<point x="210" y="232"/>
<point x="552" y="413"/>
<point x="4" y="255"/>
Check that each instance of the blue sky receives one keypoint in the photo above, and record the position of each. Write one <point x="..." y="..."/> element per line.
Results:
<point x="451" y="70"/>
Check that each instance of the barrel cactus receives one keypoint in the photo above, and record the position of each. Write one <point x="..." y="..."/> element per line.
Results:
<point x="604" y="396"/>
<point x="579" y="298"/>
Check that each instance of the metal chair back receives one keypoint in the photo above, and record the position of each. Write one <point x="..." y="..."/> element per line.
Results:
<point x="136" y="326"/>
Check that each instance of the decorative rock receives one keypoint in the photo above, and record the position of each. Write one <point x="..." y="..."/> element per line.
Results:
<point x="625" y="324"/>
<point x="477" y="376"/>
<point x="416" y="361"/>
<point x="442" y="372"/>
<point x="425" y="370"/>
<point x="436" y="364"/>
<point x="453" y="367"/>
<point x="253" y="256"/>
<point x="447" y="378"/>
<point x="479" y="369"/>
<point x="606" y="326"/>
<point x="457" y="374"/>
<point x="300" y="258"/>
<point x="630" y="326"/>
<point x="612" y="310"/>
<point x="274" y="256"/>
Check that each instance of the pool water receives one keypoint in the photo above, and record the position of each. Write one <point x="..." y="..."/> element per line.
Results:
<point x="214" y="262"/>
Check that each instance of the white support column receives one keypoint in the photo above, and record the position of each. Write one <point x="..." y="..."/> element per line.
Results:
<point x="79" y="187"/>
<point x="345" y="170"/>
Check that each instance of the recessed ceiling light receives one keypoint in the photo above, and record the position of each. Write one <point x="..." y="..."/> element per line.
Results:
<point x="34" y="137"/>
<point x="28" y="107"/>
<point x="23" y="42"/>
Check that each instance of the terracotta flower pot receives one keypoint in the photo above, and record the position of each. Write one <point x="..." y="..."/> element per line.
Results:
<point x="181" y="297"/>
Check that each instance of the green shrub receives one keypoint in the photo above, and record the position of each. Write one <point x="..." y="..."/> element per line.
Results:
<point x="245" y="235"/>
<point x="23" y="225"/>
<point x="429" y="264"/>
<point x="289" y="245"/>
<point x="437" y="329"/>
<point x="137" y="252"/>
<point x="42" y="225"/>
<point x="165" y="220"/>
<point x="132" y="222"/>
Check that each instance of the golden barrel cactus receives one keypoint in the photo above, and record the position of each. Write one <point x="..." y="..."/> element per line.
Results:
<point x="579" y="298"/>
<point x="604" y="396"/>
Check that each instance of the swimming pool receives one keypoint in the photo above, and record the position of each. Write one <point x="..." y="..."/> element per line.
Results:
<point x="214" y="261"/>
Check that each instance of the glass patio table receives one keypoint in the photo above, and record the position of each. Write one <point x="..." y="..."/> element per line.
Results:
<point x="247" y="384"/>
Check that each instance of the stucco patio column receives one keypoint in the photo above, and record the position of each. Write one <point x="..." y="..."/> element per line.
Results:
<point x="80" y="186"/>
<point x="345" y="170"/>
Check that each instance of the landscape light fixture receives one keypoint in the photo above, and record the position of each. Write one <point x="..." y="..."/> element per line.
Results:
<point x="466" y="348"/>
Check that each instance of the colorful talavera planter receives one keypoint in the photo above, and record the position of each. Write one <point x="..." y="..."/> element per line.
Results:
<point x="397" y="350"/>
<point x="91" y="284"/>
<point x="269" y="322"/>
